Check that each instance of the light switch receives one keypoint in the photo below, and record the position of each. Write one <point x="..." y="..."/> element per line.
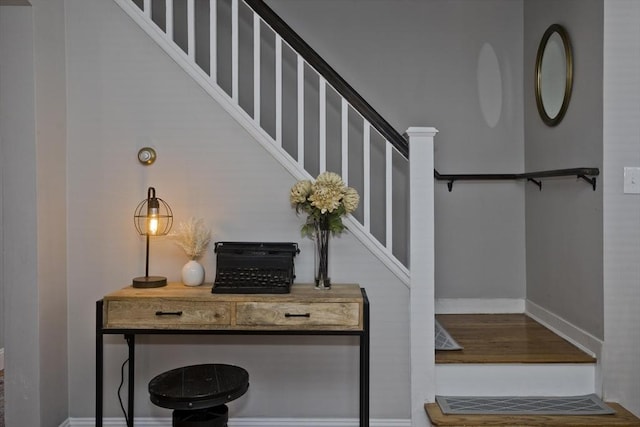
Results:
<point x="631" y="180"/>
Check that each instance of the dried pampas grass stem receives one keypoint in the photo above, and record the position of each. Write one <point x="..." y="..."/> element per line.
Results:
<point x="192" y="236"/>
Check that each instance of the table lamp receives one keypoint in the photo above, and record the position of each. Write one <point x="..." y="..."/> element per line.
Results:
<point x="153" y="217"/>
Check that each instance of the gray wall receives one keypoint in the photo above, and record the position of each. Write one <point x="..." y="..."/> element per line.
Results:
<point x="125" y="93"/>
<point x="417" y="64"/>
<point x="621" y="211"/>
<point x="17" y="124"/>
<point x="33" y="123"/>
<point x="564" y="220"/>
<point x="51" y="154"/>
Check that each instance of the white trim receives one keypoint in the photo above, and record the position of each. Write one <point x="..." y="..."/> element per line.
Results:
<point x="388" y="170"/>
<point x="344" y="138"/>
<point x="576" y="336"/>
<point x="322" y="123"/>
<point x="235" y="43"/>
<point x="515" y="379"/>
<point x="256" y="68"/>
<point x="168" y="19"/>
<point x="213" y="40"/>
<point x="300" y="107"/>
<point x="422" y="261"/>
<point x="278" y="90"/>
<point x="191" y="30"/>
<point x="479" y="306"/>
<point x="366" y="162"/>
<point x="1" y="359"/>
<point x="245" y="422"/>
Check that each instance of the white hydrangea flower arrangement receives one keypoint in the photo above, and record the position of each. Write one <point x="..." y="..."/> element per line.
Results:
<point x="325" y="202"/>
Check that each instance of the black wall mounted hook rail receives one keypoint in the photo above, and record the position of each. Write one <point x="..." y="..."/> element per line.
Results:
<point x="591" y="181"/>
<point x="536" y="182"/>
<point x="587" y="174"/>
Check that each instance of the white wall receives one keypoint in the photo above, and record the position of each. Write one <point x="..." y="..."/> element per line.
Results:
<point x="621" y="211"/>
<point x="564" y="220"/>
<point x="416" y="62"/>
<point x="125" y="93"/>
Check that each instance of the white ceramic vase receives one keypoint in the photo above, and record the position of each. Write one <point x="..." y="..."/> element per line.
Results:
<point x="193" y="273"/>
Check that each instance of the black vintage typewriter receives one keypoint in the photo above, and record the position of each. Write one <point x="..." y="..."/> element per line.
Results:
<point x="254" y="268"/>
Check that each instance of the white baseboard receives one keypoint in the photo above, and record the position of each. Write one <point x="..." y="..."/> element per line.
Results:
<point x="245" y="422"/>
<point x="576" y="336"/>
<point x="479" y="305"/>
<point x="1" y="359"/>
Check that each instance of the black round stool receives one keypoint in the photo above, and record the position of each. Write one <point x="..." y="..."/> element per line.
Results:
<point x="198" y="393"/>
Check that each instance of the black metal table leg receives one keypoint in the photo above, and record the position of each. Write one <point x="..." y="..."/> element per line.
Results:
<point x="364" y="364"/>
<point x="131" y="341"/>
<point x="99" y="363"/>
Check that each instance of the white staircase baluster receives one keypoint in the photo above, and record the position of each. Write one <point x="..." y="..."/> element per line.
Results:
<point x="278" y="94"/>
<point x="146" y="7"/>
<point x="366" y="161"/>
<point x="234" y="50"/>
<point x="191" y="30"/>
<point x="256" y="68"/>
<point x="322" y="93"/>
<point x="344" y="123"/>
<point x="388" y="158"/>
<point x="300" y="110"/>
<point x="230" y="102"/>
<point x="168" y="13"/>
<point x="213" y="40"/>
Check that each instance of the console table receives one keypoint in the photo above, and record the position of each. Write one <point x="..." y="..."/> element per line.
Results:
<point x="178" y="309"/>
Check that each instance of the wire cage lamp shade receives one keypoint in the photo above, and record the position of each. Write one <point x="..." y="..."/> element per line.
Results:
<point x="153" y="217"/>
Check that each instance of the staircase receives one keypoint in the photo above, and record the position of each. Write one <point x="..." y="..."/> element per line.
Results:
<point x="308" y="118"/>
<point x="294" y="104"/>
<point x="311" y="120"/>
<point x="513" y="355"/>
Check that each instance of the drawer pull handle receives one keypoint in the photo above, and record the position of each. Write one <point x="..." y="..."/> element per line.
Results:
<point x="297" y="315"/>
<point x="168" y="313"/>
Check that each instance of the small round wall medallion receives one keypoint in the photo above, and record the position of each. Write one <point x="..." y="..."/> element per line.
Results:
<point x="147" y="156"/>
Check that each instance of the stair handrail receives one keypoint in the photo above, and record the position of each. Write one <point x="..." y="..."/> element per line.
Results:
<point x="587" y="174"/>
<point x="287" y="34"/>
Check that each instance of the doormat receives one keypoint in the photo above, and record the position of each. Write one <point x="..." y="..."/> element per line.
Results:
<point x="444" y="341"/>
<point x="515" y="405"/>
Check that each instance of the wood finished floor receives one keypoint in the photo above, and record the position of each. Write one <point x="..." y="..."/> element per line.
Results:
<point x="505" y="338"/>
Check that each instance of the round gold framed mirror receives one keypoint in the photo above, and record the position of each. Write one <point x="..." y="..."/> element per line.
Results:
<point x="554" y="75"/>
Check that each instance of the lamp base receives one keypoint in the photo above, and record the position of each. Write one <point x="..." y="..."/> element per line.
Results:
<point x="149" y="282"/>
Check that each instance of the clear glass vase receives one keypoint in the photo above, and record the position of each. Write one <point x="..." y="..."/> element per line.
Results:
<point x="321" y="255"/>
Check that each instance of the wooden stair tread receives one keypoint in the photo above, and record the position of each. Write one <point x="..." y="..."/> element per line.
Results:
<point x="505" y="338"/>
<point x="622" y="418"/>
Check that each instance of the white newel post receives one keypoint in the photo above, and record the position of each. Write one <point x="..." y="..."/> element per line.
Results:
<point x="421" y="265"/>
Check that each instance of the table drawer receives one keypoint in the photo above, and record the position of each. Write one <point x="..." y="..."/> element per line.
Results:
<point x="345" y="314"/>
<point x="159" y="314"/>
